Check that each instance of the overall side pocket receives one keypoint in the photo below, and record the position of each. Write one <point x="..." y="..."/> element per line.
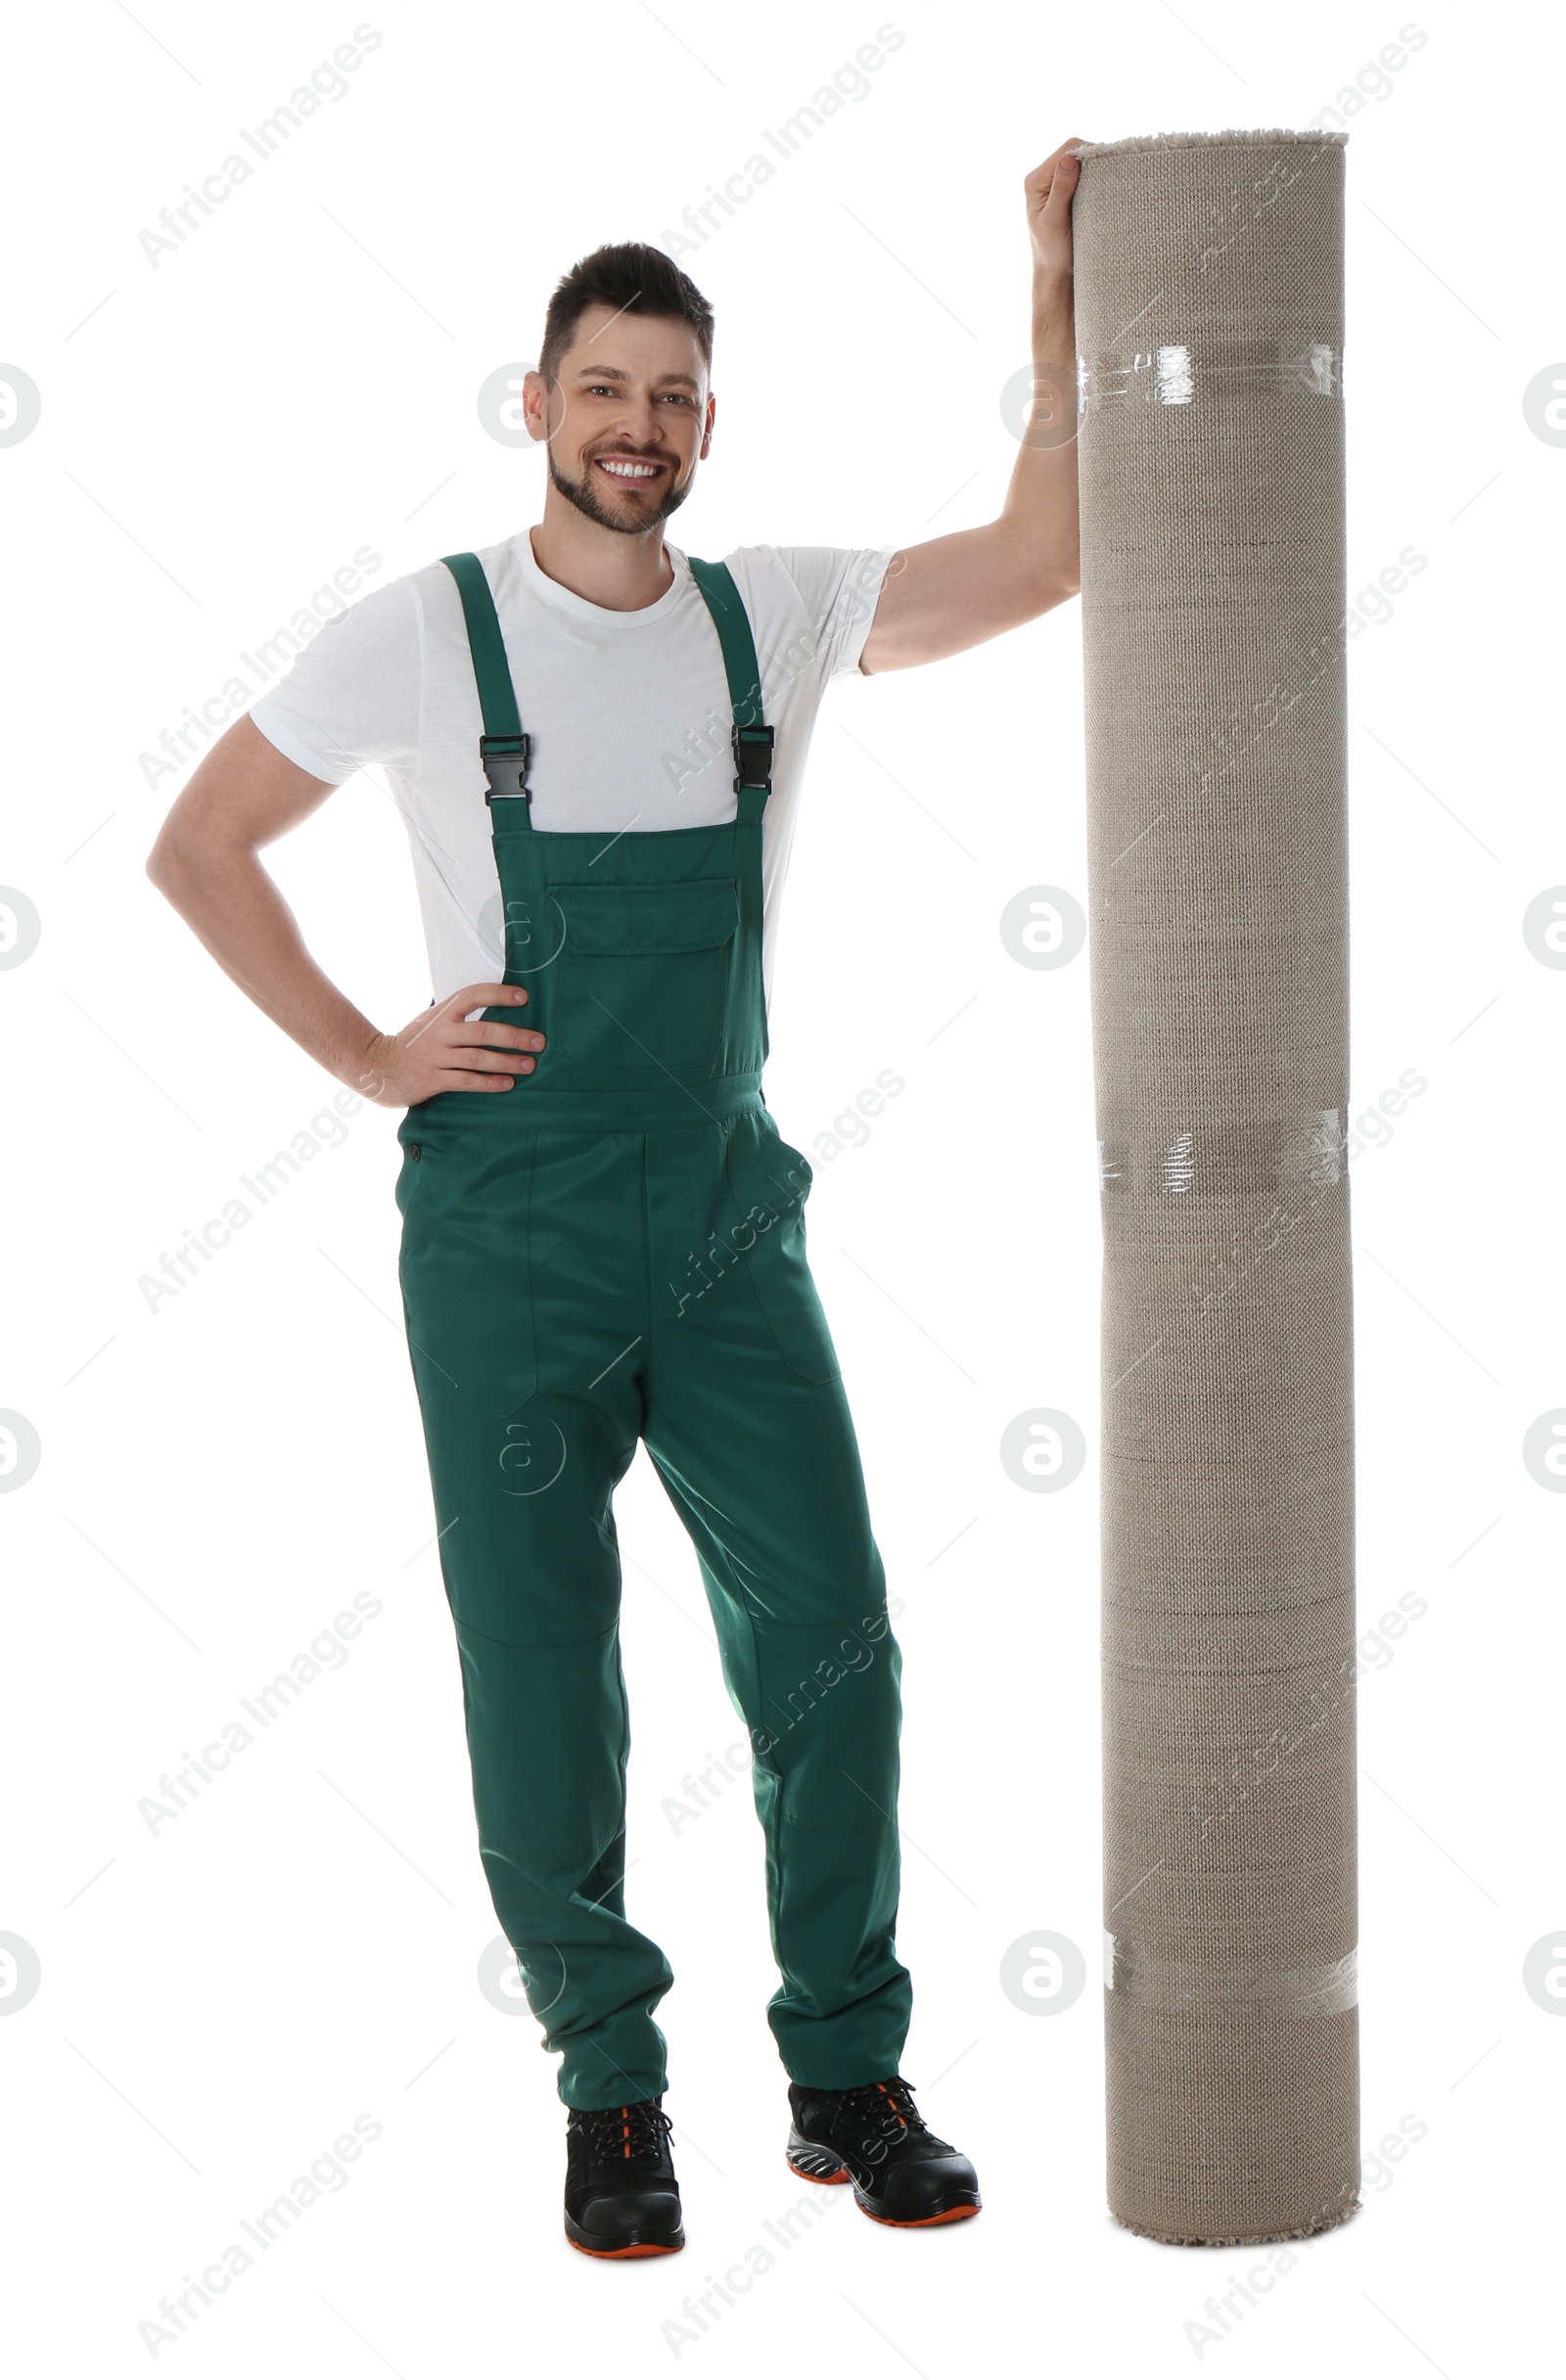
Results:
<point x="467" y="1289"/>
<point x="769" y="1182"/>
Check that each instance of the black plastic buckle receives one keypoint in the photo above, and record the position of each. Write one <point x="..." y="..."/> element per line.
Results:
<point x="505" y="764"/>
<point x="752" y="758"/>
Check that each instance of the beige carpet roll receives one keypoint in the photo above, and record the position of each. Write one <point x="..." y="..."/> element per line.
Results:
<point x="1209" y="294"/>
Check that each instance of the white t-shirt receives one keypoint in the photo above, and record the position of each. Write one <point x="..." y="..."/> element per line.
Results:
<point x="628" y="712"/>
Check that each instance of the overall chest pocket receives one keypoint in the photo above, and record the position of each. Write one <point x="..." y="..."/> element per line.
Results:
<point x="643" y="979"/>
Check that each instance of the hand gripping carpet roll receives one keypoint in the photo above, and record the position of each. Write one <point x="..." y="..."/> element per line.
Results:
<point x="1209" y="304"/>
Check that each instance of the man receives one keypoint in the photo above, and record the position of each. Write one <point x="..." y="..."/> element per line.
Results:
<point x="602" y="1231"/>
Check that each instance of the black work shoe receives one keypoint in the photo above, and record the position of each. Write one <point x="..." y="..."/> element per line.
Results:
<point x="876" y="2138"/>
<point x="622" y="2197"/>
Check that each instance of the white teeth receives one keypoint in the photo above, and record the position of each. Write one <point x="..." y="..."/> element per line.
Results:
<point x="629" y="470"/>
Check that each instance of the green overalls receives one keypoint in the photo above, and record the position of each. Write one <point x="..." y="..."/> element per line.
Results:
<point x="613" y="1250"/>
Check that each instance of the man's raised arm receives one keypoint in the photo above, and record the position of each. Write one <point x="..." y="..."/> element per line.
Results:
<point x="957" y="591"/>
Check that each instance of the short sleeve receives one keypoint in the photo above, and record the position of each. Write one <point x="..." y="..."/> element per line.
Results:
<point x="840" y="587"/>
<point x="351" y="697"/>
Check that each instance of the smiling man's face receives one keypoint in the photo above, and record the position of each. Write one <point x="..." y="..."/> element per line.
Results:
<point x="629" y="419"/>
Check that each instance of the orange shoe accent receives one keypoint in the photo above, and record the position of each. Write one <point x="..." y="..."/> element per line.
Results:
<point x="611" y="2255"/>
<point x="919" y="2223"/>
<point x="886" y="2095"/>
<point x="842" y="2173"/>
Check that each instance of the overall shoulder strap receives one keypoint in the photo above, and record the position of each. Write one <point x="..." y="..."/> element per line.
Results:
<point x="753" y="737"/>
<point x="503" y="748"/>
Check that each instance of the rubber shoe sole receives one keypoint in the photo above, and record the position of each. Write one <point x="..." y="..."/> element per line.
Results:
<point x="813" y="2164"/>
<point x="656" y="2243"/>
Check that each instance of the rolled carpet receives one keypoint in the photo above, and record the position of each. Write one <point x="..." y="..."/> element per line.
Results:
<point x="1208" y="300"/>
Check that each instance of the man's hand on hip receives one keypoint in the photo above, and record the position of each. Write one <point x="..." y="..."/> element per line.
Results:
<point x="447" y="1048"/>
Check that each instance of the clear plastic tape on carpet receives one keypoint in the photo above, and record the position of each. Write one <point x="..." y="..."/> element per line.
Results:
<point x="1209" y="298"/>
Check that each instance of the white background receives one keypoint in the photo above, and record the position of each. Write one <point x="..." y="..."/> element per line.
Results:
<point x="220" y="1477"/>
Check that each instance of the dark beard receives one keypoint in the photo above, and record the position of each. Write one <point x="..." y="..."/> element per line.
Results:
<point x="580" y="493"/>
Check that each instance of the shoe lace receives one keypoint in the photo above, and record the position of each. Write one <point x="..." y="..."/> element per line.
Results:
<point x="889" y="2106"/>
<point x="638" y="2131"/>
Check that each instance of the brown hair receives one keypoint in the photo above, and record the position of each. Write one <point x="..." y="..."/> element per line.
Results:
<point x="623" y="275"/>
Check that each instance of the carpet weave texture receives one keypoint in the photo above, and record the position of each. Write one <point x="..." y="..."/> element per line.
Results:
<point x="1209" y="302"/>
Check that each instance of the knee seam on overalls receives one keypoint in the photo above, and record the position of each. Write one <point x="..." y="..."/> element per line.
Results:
<point x="558" y="1644"/>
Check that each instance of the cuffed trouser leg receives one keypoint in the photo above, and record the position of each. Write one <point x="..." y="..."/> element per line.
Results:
<point x="547" y="1735"/>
